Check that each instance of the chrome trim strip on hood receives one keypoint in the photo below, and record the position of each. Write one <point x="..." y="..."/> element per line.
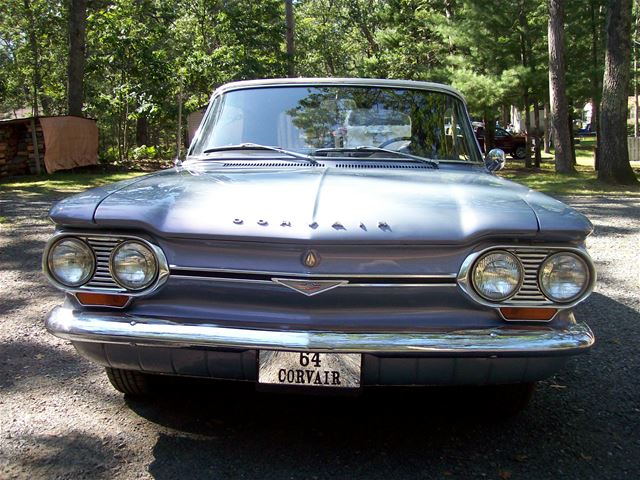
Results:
<point x="343" y="285"/>
<point x="250" y="274"/>
<point x="85" y="326"/>
<point x="341" y="280"/>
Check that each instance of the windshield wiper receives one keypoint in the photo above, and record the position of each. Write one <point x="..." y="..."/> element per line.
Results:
<point x="368" y="148"/>
<point x="257" y="146"/>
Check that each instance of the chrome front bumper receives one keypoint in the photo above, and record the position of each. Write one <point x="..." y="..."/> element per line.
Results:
<point x="512" y="340"/>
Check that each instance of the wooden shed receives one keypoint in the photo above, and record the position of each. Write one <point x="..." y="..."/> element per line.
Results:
<point x="47" y="144"/>
<point x="193" y="122"/>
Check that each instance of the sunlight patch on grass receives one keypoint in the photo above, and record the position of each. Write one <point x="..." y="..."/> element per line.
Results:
<point x="62" y="182"/>
<point x="583" y="182"/>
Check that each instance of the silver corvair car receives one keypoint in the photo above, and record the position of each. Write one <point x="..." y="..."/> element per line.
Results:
<point x="281" y="254"/>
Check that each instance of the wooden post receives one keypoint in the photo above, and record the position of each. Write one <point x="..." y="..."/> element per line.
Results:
<point x="36" y="150"/>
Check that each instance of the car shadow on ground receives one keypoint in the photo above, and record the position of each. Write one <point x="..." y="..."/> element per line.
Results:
<point x="232" y="431"/>
<point x="228" y="430"/>
<point x="49" y="458"/>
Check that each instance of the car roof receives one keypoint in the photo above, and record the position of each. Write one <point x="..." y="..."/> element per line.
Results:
<point x="328" y="81"/>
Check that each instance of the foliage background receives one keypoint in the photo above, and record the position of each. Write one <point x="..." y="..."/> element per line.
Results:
<point x="144" y="57"/>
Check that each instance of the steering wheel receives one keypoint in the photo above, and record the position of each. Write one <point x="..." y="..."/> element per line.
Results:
<point x="394" y="140"/>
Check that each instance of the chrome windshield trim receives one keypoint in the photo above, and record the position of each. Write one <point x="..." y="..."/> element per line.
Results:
<point x="339" y="82"/>
<point x="86" y="326"/>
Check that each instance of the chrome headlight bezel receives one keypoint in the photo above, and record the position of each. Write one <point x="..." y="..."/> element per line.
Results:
<point x="51" y="271"/>
<point x="530" y="294"/>
<point x="95" y="240"/>
<point x="519" y="268"/>
<point x="581" y="291"/>
<point x="141" y="247"/>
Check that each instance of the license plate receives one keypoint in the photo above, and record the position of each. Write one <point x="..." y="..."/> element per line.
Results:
<point x="310" y="369"/>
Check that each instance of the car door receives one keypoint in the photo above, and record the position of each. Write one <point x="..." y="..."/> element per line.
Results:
<point x="504" y="140"/>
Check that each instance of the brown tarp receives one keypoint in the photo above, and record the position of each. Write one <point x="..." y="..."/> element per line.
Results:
<point x="69" y="142"/>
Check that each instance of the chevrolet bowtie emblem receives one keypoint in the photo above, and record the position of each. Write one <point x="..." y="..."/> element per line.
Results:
<point x="309" y="287"/>
<point x="310" y="259"/>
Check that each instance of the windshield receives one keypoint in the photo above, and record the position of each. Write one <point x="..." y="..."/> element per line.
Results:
<point x="307" y="119"/>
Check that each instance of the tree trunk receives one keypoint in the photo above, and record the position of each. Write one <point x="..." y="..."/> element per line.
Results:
<point x="557" y="88"/>
<point x="595" y="127"/>
<point x="636" y="133"/>
<point x="119" y="132"/>
<point x="125" y="129"/>
<point x="288" y="8"/>
<point x="489" y="132"/>
<point x="504" y="115"/>
<point x="547" y="127"/>
<point x="571" y="136"/>
<point x="527" y="127"/>
<point x="179" y="132"/>
<point x="77" y="50"/>
<point x="142" y="131"/>
<point x="614" y="154"/>
<point x="37" y="75"/>
<point x="537" y="133"/>
<point x="449" y="9"/>
<point x="596" y="88"/>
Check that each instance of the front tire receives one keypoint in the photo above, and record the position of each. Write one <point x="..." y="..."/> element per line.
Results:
<point x="520" y="152"/>
<point x="509" y="400"/>
<point x="130" y="382"/>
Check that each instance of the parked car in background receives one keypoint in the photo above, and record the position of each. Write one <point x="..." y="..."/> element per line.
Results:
<point x="513" y="144"/>
<point x="295" y="248"/>
<point x="586" y="131"/>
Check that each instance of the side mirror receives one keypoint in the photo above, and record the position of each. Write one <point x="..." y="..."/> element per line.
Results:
<point x="495" y="160"/>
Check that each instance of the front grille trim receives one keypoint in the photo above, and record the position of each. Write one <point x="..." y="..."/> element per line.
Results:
<point x="529" y="292"/>
<point x="102" y="278"/>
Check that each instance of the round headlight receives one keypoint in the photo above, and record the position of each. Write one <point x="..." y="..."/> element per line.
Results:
<point x="71" y="262"/>
<point x="563" y="277"/>
<point x="133" y="265"/>
<point x="497" y="275"/>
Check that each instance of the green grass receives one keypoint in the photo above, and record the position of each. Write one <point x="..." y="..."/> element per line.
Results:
<point x="583" y="182"/>
<point x="61" y="182"/>
<point x="3" y="220"/>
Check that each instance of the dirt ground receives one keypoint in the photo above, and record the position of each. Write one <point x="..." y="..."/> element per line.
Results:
<point x="60" y="418"/>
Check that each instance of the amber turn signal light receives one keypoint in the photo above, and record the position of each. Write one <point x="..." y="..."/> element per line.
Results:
<point x="102" y="299"/>
<point x="517" y="313"/>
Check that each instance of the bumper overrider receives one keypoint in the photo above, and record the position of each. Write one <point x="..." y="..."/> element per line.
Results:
<point x="484" y="356"/>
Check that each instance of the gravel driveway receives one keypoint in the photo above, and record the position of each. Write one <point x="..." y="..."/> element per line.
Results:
<point x="59" y="417"/>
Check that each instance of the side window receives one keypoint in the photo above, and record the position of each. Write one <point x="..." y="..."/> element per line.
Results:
<point x="456" y="143"/>
<point x="500" y="132"/>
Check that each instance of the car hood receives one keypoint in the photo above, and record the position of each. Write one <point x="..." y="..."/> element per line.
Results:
<point x="327" y="204"/>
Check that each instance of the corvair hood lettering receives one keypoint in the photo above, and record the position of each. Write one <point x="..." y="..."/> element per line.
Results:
<point x="331" y="205"/>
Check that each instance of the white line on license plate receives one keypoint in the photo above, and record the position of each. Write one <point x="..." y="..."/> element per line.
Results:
<point x="310" y="369"/>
